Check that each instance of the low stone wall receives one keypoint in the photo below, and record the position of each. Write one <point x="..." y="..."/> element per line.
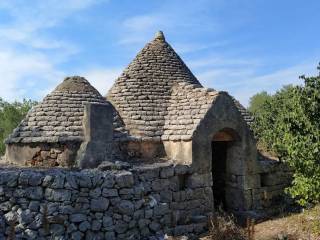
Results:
<point x="93" y="204"/>
<point x="275" y="176"/>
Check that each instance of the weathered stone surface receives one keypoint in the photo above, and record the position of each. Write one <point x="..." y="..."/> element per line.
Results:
<point x="59" y="195"/>
<point x="98" y="135"/>
<point x="107" y="221"/>
<point x="35" y="193"/>
<point x="200" y="180"/>
<point x="78" y="217"/>
<point x="124" y="179"/>
<point x="106" y="192"/>
<point x="57" y="229"/>
<point x="126" y="207"/>
<point x="84" y="226"/>
<point x="99" y="205"/>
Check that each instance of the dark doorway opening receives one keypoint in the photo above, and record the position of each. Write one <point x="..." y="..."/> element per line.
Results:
<point x="219" y="164"/>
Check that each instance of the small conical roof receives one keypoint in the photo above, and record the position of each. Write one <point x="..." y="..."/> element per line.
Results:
<point x="58" y="118"/>
<point x="142" y="93"/>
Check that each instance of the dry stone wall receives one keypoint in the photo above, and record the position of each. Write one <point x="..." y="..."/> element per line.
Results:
<point x="138" y="203"/>
<point x="270" y="197"/>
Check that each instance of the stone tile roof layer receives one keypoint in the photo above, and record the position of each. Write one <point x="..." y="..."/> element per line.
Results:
<point x="158" y="98"/>
<point x="188" y="105"/>
<point x="58" y="118"/>
<point x="142" y="93"/>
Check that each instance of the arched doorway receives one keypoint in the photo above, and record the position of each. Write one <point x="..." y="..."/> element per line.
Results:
<point x="221" y="144"/>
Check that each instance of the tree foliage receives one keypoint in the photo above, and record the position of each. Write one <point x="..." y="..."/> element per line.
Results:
<point x="288" y="123"/>
<point x="258" y="100"/>
<point x="11" y="115"/>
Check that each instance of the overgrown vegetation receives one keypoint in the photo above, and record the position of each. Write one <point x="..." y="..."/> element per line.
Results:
<point x="288" y="124"/>
<point x="10" y="116"/>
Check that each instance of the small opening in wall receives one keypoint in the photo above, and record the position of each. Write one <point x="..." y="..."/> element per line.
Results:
<point x="263" y="177"/>
<point x="182" y="181"/>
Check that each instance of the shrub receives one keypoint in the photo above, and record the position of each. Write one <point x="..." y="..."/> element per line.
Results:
<point x="288" y="124"/>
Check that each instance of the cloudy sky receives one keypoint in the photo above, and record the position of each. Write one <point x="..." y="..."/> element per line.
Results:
<point x="241" y="46"/>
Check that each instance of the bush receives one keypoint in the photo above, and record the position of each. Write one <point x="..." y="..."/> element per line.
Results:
<point x="288" y="123"/>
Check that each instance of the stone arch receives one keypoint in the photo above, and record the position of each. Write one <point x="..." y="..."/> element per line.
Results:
<point x="224" y="146"/>
<point x="223" y="121"/>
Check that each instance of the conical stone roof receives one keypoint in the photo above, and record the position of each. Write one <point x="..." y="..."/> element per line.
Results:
<point x="142" y="94"/>
<point x="58" y="118"/>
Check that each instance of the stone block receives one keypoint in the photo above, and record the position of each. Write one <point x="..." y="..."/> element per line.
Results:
<point x="78" y="217"/>
<point x="161" y="209"/>
<point x="121" y="227"/>
<point x="271" y="179"/>
<point x="124" y="179"/>
<point x="181" y="169"/>
<point x="98" y="134"/>
<point x="167" y="172"/>
<point x="58" y="195"/>
<point x="110" y="236"/>
<point x="107" y="192"/>
<point x="249" y="181"/>
<point x="199" y="180"/>
<point x="99" y="204"/>
<point x="126" y="207"/>
<point x="107" y="221"/>
<point x="84" y="226"/>
<point x="34" y="193"/>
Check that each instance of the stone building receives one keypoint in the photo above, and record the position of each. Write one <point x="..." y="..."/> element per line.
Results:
<point x="168" y="114"/>
<point x="71" y="127"/>
<point x="165" y="151"/>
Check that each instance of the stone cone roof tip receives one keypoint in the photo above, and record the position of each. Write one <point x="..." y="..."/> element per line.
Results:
<point x="58" y="118"/>
<point x="160" y="36"/>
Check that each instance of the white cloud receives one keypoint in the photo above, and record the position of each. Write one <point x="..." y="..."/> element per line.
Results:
<point x="30" y="19"/>
<point x="244" y="80"/>
<point x="22" y="72"/>
<point x="102" y="79"/>
<point x="27" y="69"/>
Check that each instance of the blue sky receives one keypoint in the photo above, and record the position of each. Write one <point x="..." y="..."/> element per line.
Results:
<point x="240" y="46"/>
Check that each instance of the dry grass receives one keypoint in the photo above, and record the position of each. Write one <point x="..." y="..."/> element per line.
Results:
<point x="222" y="226"/>
<point x="304" y="226"/>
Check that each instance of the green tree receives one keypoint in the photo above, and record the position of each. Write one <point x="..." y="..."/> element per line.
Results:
<point x="288" y="124"/>
<point x="257" y="100"/>
<point x="11" y="115"/>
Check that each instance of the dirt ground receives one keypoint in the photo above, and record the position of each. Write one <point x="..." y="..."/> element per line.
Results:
<point x="304" y="226"/>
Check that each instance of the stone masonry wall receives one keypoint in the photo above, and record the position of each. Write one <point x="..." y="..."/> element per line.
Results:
<point x="43" y="155"/>
<point x="92" y="204"/>
<point x="270" y="197"/>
